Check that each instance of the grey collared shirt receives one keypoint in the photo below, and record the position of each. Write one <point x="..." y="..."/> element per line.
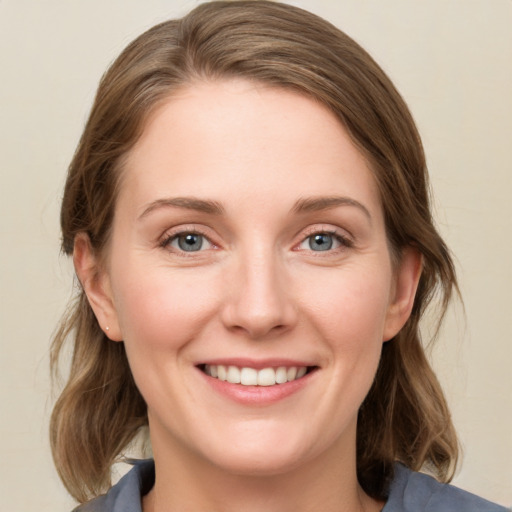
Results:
<point x="409" y="492"/>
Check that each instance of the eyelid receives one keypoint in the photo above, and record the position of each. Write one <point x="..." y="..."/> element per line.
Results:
<point x="173" y="233"/>
<point x="163" y="241"/>
<point x="174" y="242"/>
<point x="341" y="235"/>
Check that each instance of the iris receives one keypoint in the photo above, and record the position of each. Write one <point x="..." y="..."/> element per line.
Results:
<point x="190" y="242"/>
<point x="321" y="242"/>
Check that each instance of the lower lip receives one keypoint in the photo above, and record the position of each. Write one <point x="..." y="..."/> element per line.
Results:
<point x="257" y="395"/>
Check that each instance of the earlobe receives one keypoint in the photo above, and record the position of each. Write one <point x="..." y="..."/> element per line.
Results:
<point x="96" y="285"/>
<point x="406" y="281"/>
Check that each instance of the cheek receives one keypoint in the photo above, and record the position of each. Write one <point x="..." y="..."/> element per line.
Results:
<point x="351" y="306"/>
<point x="161" y="309"/>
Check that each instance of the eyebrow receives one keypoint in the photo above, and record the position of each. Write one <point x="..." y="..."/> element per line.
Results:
<point x="303" y="205"/>
<point x="188" y="203"/>
<point x="315" y="204"/>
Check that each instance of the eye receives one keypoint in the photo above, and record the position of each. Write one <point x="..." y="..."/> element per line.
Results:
<point x="323" y="241"/>
<point x="188" y="242"/>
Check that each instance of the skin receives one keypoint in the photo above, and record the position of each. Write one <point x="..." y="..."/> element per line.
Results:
<point x="259" y="288"/>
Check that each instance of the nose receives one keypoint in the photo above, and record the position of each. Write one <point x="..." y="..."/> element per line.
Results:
<point x="260" y="302"/>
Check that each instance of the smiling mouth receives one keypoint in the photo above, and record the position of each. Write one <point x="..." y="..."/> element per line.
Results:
<point x="252" y="377"/>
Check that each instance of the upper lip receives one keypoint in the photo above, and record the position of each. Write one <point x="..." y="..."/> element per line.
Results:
<point x="257" y="364"/>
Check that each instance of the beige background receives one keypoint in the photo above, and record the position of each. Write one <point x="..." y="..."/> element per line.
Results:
<point x="452" y="61"/>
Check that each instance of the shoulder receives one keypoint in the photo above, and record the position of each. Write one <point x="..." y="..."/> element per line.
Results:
<point x="417" y="492"/>
<point x="125" y="496"/>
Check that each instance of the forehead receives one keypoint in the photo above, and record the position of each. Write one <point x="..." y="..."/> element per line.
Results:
<point x="238" y="139"/>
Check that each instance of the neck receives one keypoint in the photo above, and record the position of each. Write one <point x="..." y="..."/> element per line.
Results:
<point x="185" y="481"/>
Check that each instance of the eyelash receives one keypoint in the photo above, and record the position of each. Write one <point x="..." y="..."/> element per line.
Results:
<point x="344" y="241"/>
<point x="168" y="238"/>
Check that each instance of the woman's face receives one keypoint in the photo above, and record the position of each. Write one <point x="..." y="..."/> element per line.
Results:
<point x="249" y="243"/>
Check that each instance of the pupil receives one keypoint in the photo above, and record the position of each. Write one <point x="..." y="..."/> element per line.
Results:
<point x="190" y="242"/>
<point x="321" y="242"/>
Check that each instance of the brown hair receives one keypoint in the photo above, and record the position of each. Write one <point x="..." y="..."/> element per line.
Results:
<point x="405" y="416"/>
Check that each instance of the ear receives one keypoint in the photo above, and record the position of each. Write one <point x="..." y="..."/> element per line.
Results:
<point x="406" y="279"/>
<point x="96" y="284"/>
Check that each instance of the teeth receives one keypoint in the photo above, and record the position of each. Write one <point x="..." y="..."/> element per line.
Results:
<point x="233" y="375"/>
<point x="248" y="377"/>
<point x="253" y="377"/>
<point x="301" y="372"/>
<point x="221" y="372"/>
<point x="267" y="377"/>
<point x="281" y="376"/>
<point x="291" y="373"/>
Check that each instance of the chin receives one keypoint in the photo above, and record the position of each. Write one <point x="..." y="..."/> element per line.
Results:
<point x="266" y="456"/>
<point x="260" y="465"/>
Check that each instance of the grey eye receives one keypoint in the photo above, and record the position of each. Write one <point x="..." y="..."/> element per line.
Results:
<point x="321" y="242"/>
<point x="189" y="242"/>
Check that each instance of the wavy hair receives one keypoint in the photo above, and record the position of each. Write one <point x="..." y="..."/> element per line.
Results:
<point x="99" y="412"/>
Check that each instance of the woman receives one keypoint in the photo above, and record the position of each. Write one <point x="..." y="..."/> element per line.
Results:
<point x="249" y="220"/>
